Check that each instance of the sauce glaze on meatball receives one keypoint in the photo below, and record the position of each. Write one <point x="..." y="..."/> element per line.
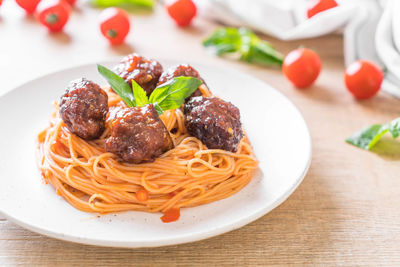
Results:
<point x="138" y="134"/>
<point x="181" y="70"/>
<point x="144" y="71"/>
<point x="214" y="121"/>
<point x="83" y="108"/>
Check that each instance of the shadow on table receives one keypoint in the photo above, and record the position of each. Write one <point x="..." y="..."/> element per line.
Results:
<point x="319" y="93"/>
<point x="62" y="38"/>
<point x="194" y="30"/>
<point x="30" y="19"/>
<point x="383" y="102"/>
<point x="388" y="148"/>
<point x="122" y="49"/>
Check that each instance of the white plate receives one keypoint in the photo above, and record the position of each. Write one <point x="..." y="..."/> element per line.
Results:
<point x="275" y="127"/>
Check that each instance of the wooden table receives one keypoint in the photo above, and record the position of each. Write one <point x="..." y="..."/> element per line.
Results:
<point x="346" y="212"/>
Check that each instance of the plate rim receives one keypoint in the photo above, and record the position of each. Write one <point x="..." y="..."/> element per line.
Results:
<point x="180" y="239"/>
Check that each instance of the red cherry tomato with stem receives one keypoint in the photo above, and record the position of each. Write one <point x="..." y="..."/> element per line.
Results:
<point x="182" y="11"/>
<point x="302" y="67"/>
<point x="53" y="14"/>
<point x="317" y="6"/>
<point x="114" y="24"/>
<point x="71" y="2"/>
<point x="28" y="5"/>
<point x="363" y="79"/>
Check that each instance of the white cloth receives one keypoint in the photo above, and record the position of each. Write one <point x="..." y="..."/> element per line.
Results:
<point x="370" y="28"/>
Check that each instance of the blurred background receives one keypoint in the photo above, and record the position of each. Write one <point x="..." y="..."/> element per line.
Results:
<point x="366" y="26"/>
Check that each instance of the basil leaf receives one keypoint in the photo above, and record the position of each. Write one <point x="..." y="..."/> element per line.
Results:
<point x="118" y="85"/>
<point x="246" y="44"/>
<point x="224" y="40"/>
<point x="127" y="3"/>
<point x="254" y="50"/>
<point x="172" y="94"/>
<point x="140" y="94"/>
<point x="264" y="53"/>
<point x="158" y="109"/>
<point x="394" y="127"/>
<point x="369" y="136"/>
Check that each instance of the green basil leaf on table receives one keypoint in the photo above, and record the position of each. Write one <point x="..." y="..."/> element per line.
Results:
<point x="265" y="54"/>
<point x="172" y="94"/>
<point x="224" y="40"/>
<point x="246" y="44"/>
<point x="394" y="127"/>
<point x="140" y="94"/>
<point x="118" y="85"/>
<point x="127" y="3"/>
<point x="369" y="136"/>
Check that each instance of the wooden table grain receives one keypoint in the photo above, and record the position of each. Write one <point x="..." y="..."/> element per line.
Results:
<point x="346" y="211"/>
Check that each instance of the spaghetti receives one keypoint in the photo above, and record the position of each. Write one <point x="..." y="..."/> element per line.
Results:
<point x="92" y="180"/>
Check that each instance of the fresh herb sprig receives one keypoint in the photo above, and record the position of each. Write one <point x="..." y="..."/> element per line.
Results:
<point x="118" y="85"/>
<point x="169" y="95"/>
<point x="245" y="43"/>
<point x="369" y="136"/>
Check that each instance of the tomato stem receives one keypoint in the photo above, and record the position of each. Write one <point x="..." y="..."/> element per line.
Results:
<point x="52" y="18"/>
<point x="112" y="33"/>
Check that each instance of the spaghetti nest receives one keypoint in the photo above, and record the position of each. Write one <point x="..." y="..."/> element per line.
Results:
<point x="91" y="179"/>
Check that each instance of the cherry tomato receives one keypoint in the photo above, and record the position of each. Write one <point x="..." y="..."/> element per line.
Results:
<point x="53" y="14"/>
<point x="302" y="67"/>
<point x="71" y="2"/>
<point x="1" y="1"/>
<point x="363" y="79"/>
<point x="28" y="5"/>
<point x="114" y="24"/>
<point x="182" y="11"/>
<point x="317" y="6"/>
<point x="142" y="195"/>
<point x="171" y="215"/>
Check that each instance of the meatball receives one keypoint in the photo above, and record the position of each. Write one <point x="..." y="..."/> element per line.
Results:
<point x="138" y="134"/>
<point x="181" y="70"/>
<point x="214" y="121"/>
<point x="144" y="71"/>
<point x="83" y="108"/>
